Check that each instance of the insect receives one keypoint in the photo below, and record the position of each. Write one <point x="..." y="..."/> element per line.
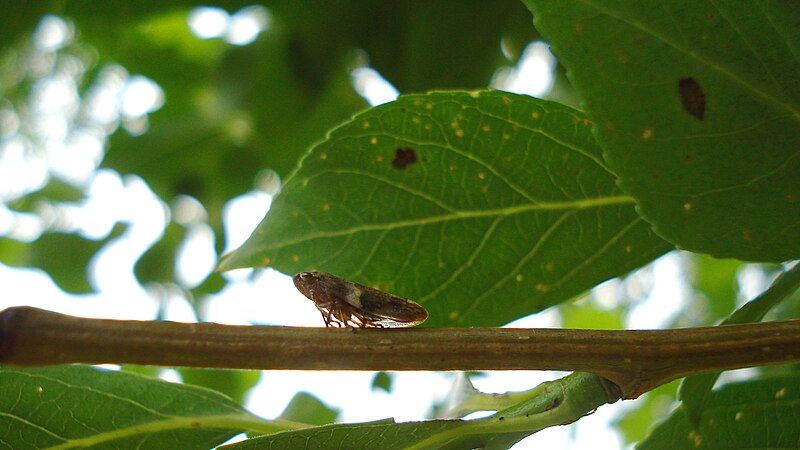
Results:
<point x="344" y="303"/>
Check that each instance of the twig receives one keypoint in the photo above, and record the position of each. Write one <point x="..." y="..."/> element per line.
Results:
<point x="635" y="360"/>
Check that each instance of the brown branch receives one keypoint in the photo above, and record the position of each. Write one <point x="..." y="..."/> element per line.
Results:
<point x="635" y="360"/>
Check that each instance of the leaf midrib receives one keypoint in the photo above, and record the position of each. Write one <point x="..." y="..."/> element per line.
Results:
<point x="461" y="215"/>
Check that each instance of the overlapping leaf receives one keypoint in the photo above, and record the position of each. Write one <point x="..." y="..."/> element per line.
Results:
<point x="484" y="207"/>
<point x="753" y="414"/>
<point x="698" y="106"/>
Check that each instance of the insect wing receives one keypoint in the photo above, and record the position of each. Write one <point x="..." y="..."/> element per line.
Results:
<point x="390" y="311"/>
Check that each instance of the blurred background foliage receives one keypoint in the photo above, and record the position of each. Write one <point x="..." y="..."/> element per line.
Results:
<point x="230" y="115"/>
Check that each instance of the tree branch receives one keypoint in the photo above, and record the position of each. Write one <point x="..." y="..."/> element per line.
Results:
<point x="636" y="360"/>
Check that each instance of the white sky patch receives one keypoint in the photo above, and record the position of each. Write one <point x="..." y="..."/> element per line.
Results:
<point x="52" y="33"/>
<point x="141" y="95"/>
<point x="176" y="307"/>
<point x="207" y="22"/>
<point x="239" y="28"/>
<point x="372" y="86"/>
<point x="533" y="74"/>
<point x="667" y="298"/>
<point x="21" y="170"/>
<point x="241" y="215"/>
<point x="246" y="24"/>
<point x="76" y="160"/>
<point x="753" y="281"/>
<point x="269" y="299"/>
<point x="102" y="102"/>
<point x="549" y="318"/>
<point x="196" y="257"/>
<point x="187" y="210"/>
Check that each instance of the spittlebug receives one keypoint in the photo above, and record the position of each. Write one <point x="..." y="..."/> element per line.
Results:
<point x="344" y="303"/>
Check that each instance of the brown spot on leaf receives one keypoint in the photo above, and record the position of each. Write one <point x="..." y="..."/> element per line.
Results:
<point x="403" y="157"/>
<point x="622" y="55"/>
<point x="693" y="98"/>
<point x="554" y="404"/>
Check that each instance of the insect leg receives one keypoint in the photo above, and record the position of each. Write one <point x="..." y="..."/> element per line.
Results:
<point x="326" y="314"/>
<point x="329" y="317"/>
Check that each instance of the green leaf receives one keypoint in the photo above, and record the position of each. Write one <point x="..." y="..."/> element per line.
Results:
<point x="408" y="43"/>
<point x="549" y="404"/>
<point x="305" y="408"/>
<point x="637" y="418"/>
<point x="19" y="21"/>
<point x="483" y="207"/>
<point x="55" y="193"/>
<point x="382" y="381"/>
<point x="65" y="257"/>
<point x="697" y="106"/>
<point x="588" y="315"/>
<point x="695" y="391"/>
<point x="384" y="434"/>
<point x="753" y="414"/>
<point x="716" y="280"/>
<point x="233" y="383"/>
<point x="80" y="406"/>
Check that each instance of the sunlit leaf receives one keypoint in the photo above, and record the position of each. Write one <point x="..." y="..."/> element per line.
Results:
<point x="483" y="207"/>
<point x="305" y="408"/>
<point x="697" y="107"/>
<point x="233" y="383"/>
